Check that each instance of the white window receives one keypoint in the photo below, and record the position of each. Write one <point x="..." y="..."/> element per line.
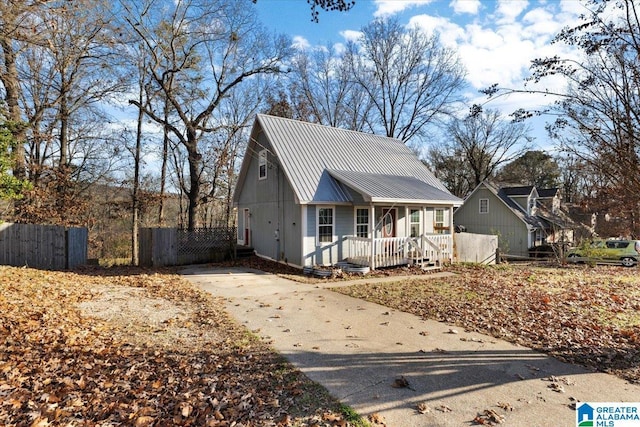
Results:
<point x="262" y="164"/>
<point x="325" y="225"/>
<point x="484" y="206"/>
<point x="362" y="222"/>
<point x="414" y="218"/>
<point x="439" y="222"/>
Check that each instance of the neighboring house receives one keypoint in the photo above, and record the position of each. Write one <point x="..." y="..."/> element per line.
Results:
<point x="312" y="195"/>
<point x="523" y="217"/>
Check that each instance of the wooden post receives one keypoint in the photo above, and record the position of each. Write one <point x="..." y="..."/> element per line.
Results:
<point x="372" y="236"/>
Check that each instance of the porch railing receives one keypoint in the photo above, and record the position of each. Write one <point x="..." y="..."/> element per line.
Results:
<point x="391" y="251"/>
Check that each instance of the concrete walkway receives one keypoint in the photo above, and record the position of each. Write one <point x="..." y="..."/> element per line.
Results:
<point x="358" y="351"/>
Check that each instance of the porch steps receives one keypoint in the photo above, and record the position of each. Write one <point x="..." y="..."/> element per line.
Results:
<point x="244" y="251"/>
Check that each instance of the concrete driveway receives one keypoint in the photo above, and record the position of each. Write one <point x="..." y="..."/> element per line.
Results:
<point x="361" y="352"/>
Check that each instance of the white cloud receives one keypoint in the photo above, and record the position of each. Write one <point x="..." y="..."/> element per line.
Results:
<point x="301" y="43"/>
<point x="508" y="10"/>
<point x="386" y="8"/>
<point x="466" y="6"/>
<point x="351" y="35"/>
<point x="450" y="33"/>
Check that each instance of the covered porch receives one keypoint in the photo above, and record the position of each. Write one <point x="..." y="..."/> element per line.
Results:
<point x="424" y="250"/>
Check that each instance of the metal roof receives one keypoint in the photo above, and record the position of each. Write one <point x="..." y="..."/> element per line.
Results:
<point x="307" y="151"/>
<point x="390" y="188"/>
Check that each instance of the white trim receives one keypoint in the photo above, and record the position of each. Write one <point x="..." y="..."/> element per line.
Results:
<point x="246" y="225"/>
<point x="303" y="233"/>
<point x="447" y="203"/>
<point x="410" y="222"/>
<point x="262" y="161"/>
<point x="480" y="207"/>
<point x="333" y="225"/>
<point x="355" y="220"/>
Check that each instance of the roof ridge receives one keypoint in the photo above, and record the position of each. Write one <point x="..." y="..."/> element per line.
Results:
<point x="338" y="129"/>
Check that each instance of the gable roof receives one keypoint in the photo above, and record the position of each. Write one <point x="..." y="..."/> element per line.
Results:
<point x="308" y="151"/>
<point x="517" y="191"/>
<point x="544" y="216"/>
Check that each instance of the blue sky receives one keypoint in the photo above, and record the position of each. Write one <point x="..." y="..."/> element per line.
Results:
<point x="495" y="39"/>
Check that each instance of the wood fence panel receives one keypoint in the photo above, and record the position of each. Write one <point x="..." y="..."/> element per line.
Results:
<point x="42" y="246"/>
<point x="170" y="246"/>
<point x="77" y="244"/>
<point x="158" y="247"/>
<point x="475" y="248"/>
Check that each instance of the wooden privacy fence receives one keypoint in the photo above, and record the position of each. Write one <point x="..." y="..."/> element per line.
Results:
<point x="48" y="247"/>
<point x="475" y="248"/>
<point x="172" y="246"/>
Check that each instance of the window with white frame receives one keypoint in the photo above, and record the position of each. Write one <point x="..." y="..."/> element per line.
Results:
<point x="362" y="222"/>
<point x="414" y="222"/>
<point x="325" y="225"/>
<point x="484" y="206"/>
<point x="439" y="222"/>
<point x="262" y="164"/>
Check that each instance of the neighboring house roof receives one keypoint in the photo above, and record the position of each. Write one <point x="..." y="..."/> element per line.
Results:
<point x="379" y="167"/>
<point x="517" y="191"/>
<point x="548" y="192"/>
<point x="543" y="216"/>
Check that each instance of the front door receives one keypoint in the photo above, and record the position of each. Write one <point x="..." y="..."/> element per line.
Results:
<point x="247" y="229"/>
<point x="389" y="222"/>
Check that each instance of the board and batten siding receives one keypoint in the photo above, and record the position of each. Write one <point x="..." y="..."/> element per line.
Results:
<point x="512" y="231"/>
<point x="328" y="253"/>
<point x="260" y="197"/>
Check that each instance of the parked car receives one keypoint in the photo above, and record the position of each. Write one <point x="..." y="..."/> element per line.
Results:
<point x="625" y="252"/>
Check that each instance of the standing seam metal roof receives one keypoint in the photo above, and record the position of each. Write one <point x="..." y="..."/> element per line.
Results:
<point x="307" y="151"/>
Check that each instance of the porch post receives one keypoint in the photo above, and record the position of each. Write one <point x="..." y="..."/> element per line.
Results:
<point x="407" y="222"/>
<point x="372" y="234"/>
<point x="451" y="231"/>
<point x="451" y="228"/>
<point x="303" y="235"/>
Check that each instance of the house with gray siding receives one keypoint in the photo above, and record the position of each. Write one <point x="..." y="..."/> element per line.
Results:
<point x="523" y="217"/>
<point x="312" y="195"/>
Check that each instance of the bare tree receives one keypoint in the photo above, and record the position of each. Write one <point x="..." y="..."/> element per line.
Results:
<point x="411" y="79"/>
<point x="597" y="113"/>
<point x="478" y="146"/>
<point x="322" y="79"/>
<point x="211" y="47"/>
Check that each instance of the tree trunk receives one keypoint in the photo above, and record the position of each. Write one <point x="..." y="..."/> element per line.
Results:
<point x="10" y="81"/>
<point x="194" y="159"/>
<point x="136" y="181"/>
<point x="163" y="169"/>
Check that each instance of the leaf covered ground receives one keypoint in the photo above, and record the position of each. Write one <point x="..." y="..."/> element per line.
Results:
<point x="583" y="315"/>
<point x="128" y="347"/>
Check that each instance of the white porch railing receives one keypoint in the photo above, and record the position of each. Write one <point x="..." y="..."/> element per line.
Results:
<point x="389" y="251"/>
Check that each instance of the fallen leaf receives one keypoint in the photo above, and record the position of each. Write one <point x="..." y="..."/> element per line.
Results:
<point x="377" y="420"/>
<point x="422" y="408"/>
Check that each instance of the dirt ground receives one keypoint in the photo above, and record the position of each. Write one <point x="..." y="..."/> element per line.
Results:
<point x="126" y="346"/>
